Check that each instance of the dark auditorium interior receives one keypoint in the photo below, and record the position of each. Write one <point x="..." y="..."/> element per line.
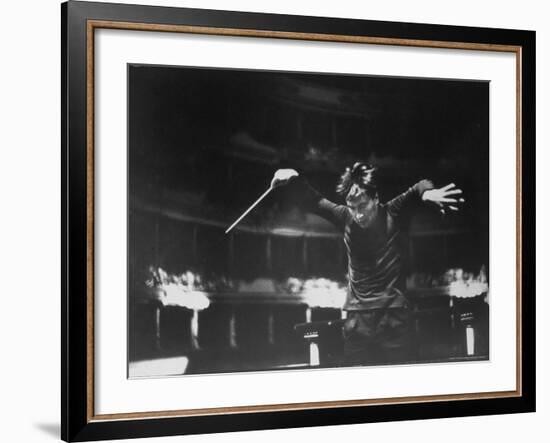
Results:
<point x="203" y="144"/>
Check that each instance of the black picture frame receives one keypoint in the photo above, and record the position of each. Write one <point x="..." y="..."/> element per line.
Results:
<point x="78" y="422"/>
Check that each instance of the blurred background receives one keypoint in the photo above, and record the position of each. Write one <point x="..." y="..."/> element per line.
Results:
<point x="203" y="145"/>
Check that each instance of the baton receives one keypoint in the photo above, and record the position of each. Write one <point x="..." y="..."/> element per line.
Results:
<point x="249" y="209"/>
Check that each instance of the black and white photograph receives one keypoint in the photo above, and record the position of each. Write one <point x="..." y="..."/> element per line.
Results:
<point x="297" y="220"/>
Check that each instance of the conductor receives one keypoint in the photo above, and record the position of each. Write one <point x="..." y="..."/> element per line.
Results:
<point x="378" y="322"/>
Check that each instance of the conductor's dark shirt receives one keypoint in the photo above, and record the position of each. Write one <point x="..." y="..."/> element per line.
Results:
<point x="377" y="254"/>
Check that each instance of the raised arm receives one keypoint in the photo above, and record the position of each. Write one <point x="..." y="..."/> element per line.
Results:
<point x="445" y="198"/>
<point x="311" y="198"/>
<point x="405" y="203"/>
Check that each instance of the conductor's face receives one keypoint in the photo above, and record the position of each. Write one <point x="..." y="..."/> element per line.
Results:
<point x="364" y="207"/>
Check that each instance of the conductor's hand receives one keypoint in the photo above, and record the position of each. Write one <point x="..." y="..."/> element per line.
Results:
<point x="282" y="177"/>
<point x="446" y="198"/>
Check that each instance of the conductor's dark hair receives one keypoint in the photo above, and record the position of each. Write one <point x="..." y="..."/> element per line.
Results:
<point x="363" y="175"/>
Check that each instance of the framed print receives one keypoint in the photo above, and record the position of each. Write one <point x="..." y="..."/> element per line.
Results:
<point x="283" y="221"/>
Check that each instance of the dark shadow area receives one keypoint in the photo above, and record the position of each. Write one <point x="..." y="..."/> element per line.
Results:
<point x="51" y="429"/>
